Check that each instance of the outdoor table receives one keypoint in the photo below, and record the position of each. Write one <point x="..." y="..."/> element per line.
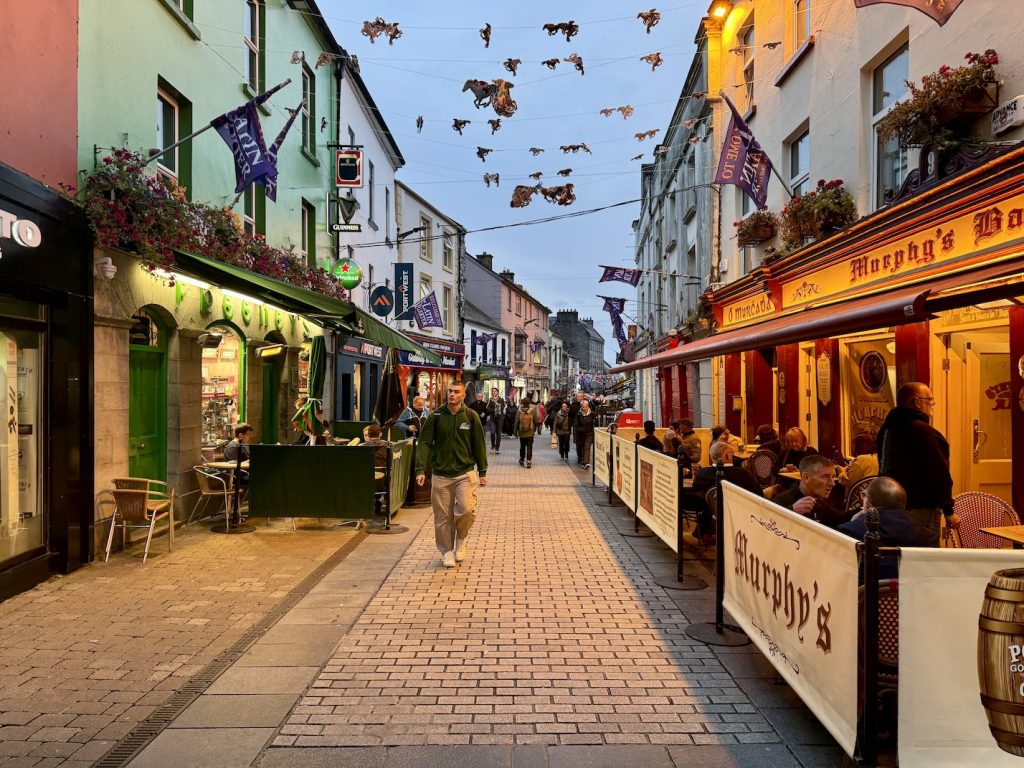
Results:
<point x="225" y="464"/>
<point x="742" y="455"/>
<point x="236" y="467"/>
<point x="1014" y="533"/>
<point x="790" y="475"/>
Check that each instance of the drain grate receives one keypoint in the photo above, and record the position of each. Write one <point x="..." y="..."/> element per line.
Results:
<point x="125" y="750"/>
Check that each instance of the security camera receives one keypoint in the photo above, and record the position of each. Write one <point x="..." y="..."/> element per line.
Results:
<point x="209" y="340"/>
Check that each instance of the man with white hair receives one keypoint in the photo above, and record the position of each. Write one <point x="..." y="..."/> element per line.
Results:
<point x="706" y="479"/>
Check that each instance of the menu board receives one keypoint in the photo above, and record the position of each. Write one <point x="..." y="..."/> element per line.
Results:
<point x="658" y="494"/>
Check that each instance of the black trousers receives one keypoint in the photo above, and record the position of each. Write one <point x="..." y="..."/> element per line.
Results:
<point x="526" y="448"/>
<point x="583" y="443"/>
<point x="497" y="426"/>
<point x="563" y="446"/>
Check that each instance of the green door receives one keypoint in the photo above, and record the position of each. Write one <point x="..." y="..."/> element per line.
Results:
<point x="147" y="413"/>
<point x="271" y="402"/>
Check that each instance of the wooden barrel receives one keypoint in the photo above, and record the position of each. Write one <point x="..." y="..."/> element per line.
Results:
<point x="1001" y="658"/>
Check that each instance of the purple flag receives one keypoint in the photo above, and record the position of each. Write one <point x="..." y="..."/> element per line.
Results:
<point x="614" y="308"/>
<point x="939" y="12"/>
<point x="241" y="131"/>
<point x="743" y="162"/>
<point x="486" y="338"/>
<point x="271" y="185"/>
<point x="426" y="312"/>
<point x="631" y="276"/>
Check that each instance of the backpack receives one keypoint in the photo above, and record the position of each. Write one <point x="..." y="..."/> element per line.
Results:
<point x="526" y="420"/>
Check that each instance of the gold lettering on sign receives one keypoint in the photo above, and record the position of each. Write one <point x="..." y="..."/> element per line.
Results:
<point x="741" y="311"/>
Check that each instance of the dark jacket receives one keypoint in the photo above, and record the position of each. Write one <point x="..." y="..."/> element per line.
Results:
<point x="452" y="443"/>
<point x="775" y="446"/>
<point x="706" y="479"/>
<point x="584" y="424"/>
<point x="824" y="512"/>
<point x="689" y="445"/>
<point x="411" y="417"/>
<point x="896" y="530"/>
<point x="562" y="424"/>
<point x="652" y="442"/>
<point x="233" y="448"/>
<point x="496" y="409"/>
<point x="480" y="409"/>
<point x="916" y="455"/>
<point x="792" y="456"/>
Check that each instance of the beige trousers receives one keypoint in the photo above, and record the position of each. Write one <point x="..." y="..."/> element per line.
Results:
<point x="454" y="503"/>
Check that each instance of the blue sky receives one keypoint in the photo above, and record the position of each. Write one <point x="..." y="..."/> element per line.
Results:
<point x="423" y="73"/>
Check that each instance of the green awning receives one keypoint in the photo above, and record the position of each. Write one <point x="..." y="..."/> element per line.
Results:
<point x="326" y="310"/>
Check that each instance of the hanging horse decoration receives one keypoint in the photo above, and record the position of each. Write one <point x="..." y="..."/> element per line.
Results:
<point x="647" y="134"/>
<point x="574" y="148"/>
<point x="654" y="59"/>
<point x="495" y="125"/>
<point x="493" y="94"/>
<point x="649" y="18"/>
<point x="512" y="65"/>
<point x="377" y="27"/>
<point x="482" y="153"/>
<point x="495" y="177"/>
<point x="565" y="172"/>
<point x="569" y="28"/>
<point x="625" y="111"/>
<point x="536" y="175"/>
<point x="419" y="123"/>
<point x="522" y="195"/>
<point x="485" y="35"/>
<point x="535" y="151"/>
<point x="458" y="125"/>
<point x="577" y="61"/>
<point x="562" y="195"/>
<point x="550" y="63"/>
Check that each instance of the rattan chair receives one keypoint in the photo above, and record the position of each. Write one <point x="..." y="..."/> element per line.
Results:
<point x="978" y="510"/>
<point x="139" y="503"/>
<point x="212" y="485"/>
<point x="762" y="466"/>
<point x="855" y="495"/>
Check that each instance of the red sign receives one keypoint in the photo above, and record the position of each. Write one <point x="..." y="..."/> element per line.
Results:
<point x="348" y="168"/>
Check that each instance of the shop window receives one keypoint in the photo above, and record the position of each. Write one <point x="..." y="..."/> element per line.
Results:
<point x="21" y="438"/>
<point x="223" y="396"/>
<point x="889" y="84"/>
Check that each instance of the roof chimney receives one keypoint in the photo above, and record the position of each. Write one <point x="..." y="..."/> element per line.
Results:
<point x="509" y="275"/>
<point x="486" y="259"/>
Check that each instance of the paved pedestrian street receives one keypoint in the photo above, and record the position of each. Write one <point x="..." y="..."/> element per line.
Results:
<point x="550" y="645"/>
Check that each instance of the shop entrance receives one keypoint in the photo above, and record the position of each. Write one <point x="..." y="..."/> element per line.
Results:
<point x="147" y="397"/>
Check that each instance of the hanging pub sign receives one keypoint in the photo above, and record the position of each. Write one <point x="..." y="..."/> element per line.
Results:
<point x="349" y="273"/>
<point x="382" y="300"/>
<point x="346" y="208"/>
<point x="403" y="290"/>
<point x="348" y="168"/>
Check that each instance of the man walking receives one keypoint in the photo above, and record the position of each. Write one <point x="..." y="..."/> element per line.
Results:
<point x="584" y="430"/>
<point x="526" y="428"/>
<point x="453" y="444"/>
<point x="496" y="417"/>
<point x="916" y="455"/>
<point x="412" y="418"/>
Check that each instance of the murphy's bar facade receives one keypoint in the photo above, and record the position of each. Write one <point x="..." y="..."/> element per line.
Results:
<point x="928" y="289"/>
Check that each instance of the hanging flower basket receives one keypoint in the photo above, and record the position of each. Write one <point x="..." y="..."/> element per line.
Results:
<point x="756" y="228"/>
<point x="825" y="210"/>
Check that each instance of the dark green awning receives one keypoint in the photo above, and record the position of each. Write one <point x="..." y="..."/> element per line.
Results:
<point x="343" y="315"/>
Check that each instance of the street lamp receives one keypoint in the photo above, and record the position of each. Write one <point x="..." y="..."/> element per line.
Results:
<point x="719" y="9"/>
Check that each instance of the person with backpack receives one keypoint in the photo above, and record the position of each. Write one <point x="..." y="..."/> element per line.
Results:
<point x="584" y="430"/>
<point x="526" y="428"/>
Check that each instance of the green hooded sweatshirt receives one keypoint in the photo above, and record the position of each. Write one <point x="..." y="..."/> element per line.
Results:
<point x="453" y="443"/>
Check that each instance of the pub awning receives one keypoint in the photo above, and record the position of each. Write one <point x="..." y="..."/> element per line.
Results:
<point x="342" y="315"/>
<point x="864" y="313"/>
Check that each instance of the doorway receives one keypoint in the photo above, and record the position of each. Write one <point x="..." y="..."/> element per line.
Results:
<point x="147" y="397"/>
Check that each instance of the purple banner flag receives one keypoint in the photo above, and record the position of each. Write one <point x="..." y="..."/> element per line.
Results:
<point x="241" y="131"/>
<point x="614" y="307"/>
<point x="426" y="312"/>
<point x="271" y="185"/>
<point x="486" y="338"/>
<point x="743" y="162"/>
<point x="937" y="11"/>
<point x="631" y="276"/>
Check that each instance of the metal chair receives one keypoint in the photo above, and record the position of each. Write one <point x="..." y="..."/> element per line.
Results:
<point x="978" y="510"/>
<point x="762" y="465"/>
<point x="212" y="485"/>
<point x="711" y="499"/>
<point x="139" y="503"/>
<point x="855" y="494"/>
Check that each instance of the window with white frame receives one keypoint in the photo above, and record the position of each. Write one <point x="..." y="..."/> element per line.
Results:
<point x="446" y="308"/>
<point x="448" y="251"/>
<point x="307" y="247"/>
<point x="802" y="27"/>
<point x="889" y="84"/>
<point x="800" y="163"/>
<point x="252" y="44"/>
<point x="308" y="110"/>
<point x="426" y="244"/>
<point x="426" y="286"/>
<point x="387" y="215"/>
<point x="249" y="210"/>
<point x="369" y="189"/>
<point x="167" y="134"/>
<point x="519" y="305"/>
<point x="747" y="48"/>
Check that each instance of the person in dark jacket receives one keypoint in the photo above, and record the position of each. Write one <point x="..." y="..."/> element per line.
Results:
<point x="695" y="497"/>
<point x="896" y="529"/>
<point x="562" y="427"/>
<point x="496" y="418"/>
<point x="810" y="497"/>
<point x="768" y="439"/>
<point x="584" y="431"/>
<point x="410" y="422"/>
<point x="916" y="455"/>
<point x="650" y="440"/>
<point x="689" y="443"/>
<point x="453" y="444"/>
<point x="525" y="427"/>
<point x="794" y="451"/>
<point x="510" y="416"/>
<point x="479" y="407"/>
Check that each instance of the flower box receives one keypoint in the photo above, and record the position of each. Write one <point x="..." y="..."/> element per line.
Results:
<point x="756" y="234"/>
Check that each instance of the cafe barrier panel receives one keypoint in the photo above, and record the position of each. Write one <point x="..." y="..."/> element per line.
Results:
<point x="602" y="454"/>
<point x="624" y="467"/>
<point x="961" y="663"/>
<point x="658" y="495"/>
<point x="403" y="455"/>
<point x="791" y="585"/>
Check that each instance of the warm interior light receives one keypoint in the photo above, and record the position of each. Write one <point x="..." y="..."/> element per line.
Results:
<point x="720" y="8"/>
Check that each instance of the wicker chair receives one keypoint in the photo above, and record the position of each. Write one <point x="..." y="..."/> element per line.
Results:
<point x="761" y="465"/>
<point x="855" y="494"/>
<point x="978" y="510"/>
<point x="212" y="485"/>
<point x="139" y="503"/>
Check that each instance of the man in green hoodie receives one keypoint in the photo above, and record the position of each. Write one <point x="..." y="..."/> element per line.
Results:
<point x="452" y="443"/>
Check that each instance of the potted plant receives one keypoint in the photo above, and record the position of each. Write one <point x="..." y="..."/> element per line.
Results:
<point x="826" y="209"/>
<point x="936" y="112"/>
<point x="756" y="228"/>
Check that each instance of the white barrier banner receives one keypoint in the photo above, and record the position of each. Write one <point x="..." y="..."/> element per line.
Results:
<point x="791" y="584"/>
<point x="602" y="450"/>
<point x="957" y="644"/>
<point x="658" y="494"/>
<point x="625" y="471"/>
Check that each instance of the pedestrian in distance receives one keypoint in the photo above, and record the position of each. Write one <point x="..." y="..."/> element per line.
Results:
<point x="916" y="455"/>
<point x="511" y="409"/>
<point x="526" y="428"/>
<point x="562" y="427"/>
<point x="541" y="415"/>
<point x="584" y="431"/>
<point x="496" y="418"/>
<point x="479" y="407"/>
<point x="453" y="444"/>
<point x="411" y="420"/>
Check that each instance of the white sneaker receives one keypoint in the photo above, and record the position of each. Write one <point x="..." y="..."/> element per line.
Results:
<point x="460" y="552"/>
<point x="448" y="559"/>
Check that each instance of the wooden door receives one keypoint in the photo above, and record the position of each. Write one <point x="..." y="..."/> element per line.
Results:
<point x="987" y="433"/>
<point x="147" y="412"/>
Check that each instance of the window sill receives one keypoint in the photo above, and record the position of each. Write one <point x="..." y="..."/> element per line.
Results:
<point x="248" y="92"/>
<point x="182" y="19"/>
<point x="796" y="58"/>
<point x="312" y="158"/>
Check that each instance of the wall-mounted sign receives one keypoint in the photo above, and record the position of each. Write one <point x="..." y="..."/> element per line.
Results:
<point x="346" y="207"/>
<point x="348" y="168"/>
<point x="403" y="289"/>
<point x="1008" y="115"/>
<point x="21" y="231"/>
<point x="349" y="273"/>
<point x="382" y="300"/>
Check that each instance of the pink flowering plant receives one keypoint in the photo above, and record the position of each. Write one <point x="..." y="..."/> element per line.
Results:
<point x="756" y="228"/>
<point x="934" y="113"/>
<point x="818" y="213"/>
<point x="138" y="211"/>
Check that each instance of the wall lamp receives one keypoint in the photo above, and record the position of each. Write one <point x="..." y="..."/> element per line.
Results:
<point x="719" y="9"/>
<point x="105" y="266"/>
<point x="409" y="232"/>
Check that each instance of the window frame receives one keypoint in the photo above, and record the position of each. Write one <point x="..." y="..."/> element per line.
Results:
<point x="248" y="215"/>
<point x="447" y="301"/>
<point x="426" y="243"/>
<point x="800" y="180"/>
<point x="370" y="182"/>
<point x="801" y="21"/>
<point x="878" y="111"/>
<point x="426" y="286"/>
<point x="748" y="41"/>
<point x="447" y="252"/>
<point x="308" y="110"/>
<point x="307" y="246"/>
<point x="252" y="46"/>
<point x="162" y="98"/>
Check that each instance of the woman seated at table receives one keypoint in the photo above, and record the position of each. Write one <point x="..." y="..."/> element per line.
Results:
<point x="865" y="461"/>
<point x="670" y="443"/>
<point x="795" y="449"/>
<point x="768" y="439"/>
<point x="720" y="432"/>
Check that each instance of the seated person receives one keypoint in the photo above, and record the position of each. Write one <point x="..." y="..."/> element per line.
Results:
<point x="768" y="439"/>
<point x="649" y="440"/>
<point x="795" y="449"/>
<point x="690" y="446"/>
<point x="707" y="477"/>
<point x="865" y="461"/>
<point x="810" y="496"/>
<point x="372" y="437"/>
<point x="896" y="528"/>
<point x="721" y="432"/>
<point x="240" y="445"/>
<point x="670" y="443"/>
